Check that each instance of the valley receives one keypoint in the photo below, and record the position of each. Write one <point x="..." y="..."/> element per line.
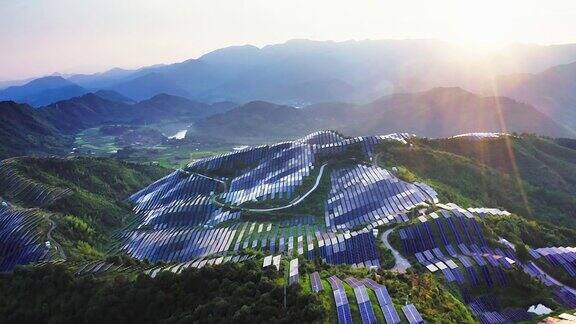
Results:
<point x="350" y="181"/>
<point x="323" y="202"/>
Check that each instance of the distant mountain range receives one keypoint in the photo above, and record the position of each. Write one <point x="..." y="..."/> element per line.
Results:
<point x="302" y="72"/>
<point x="440" y="112"/>
<point x="363" y="87"/>
<point x="43" y="91"/>
<point x="552" y="91"/>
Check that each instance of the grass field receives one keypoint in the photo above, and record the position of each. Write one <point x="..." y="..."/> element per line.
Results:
<point x="92" y="142"/>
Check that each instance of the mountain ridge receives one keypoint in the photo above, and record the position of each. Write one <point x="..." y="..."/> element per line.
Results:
<point x="440" y="112"/>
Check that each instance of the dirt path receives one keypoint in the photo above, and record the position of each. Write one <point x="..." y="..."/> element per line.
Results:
<point x="53" y="242"/>
<point x="293" y="203"/>
<point x="401" y="263"/>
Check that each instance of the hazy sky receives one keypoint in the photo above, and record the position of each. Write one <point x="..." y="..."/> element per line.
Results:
<point x="45" y="36"/>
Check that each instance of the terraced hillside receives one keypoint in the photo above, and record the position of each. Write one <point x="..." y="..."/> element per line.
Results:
<point x="326" y="216"/>
<point x="85" y="197"/>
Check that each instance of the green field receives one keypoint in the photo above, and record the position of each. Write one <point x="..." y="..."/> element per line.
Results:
<point x="92" y="142"/>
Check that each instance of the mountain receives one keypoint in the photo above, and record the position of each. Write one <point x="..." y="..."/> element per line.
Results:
<point x="149" y="85"/>
<point x="90" y="110"/>
<point x="42" y="91"/>
<point x="114" y="96"/>
<point x="440" y="112"/>
<point x="257" y="119"/>
<point x="23" y="131"/>
<point x="443" y="112"/>
<point x="302" y="72"/>
<point x="553" y="91"/>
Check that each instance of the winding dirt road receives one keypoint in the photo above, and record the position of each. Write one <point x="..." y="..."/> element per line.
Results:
<point x="401" y="263"/>
<point x="291" y="204"/>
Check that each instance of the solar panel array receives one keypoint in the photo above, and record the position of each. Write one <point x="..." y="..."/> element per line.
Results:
<point x="488" y="310"/>
<point x="356" y="248"/>
<point x="21" y="242"/>
<point x="171" y="209"/>
<point x="364" y="194"/>
<point x="461" y="237"/>
<point x="178" y="244"/>
<point x="179" y="199"/>
<point x="560" y="257"/>
<point x="334" y="144"/>
<point x="277" y="175"/>
<point x="342" y="305"/>
<point x="364" y="303"/>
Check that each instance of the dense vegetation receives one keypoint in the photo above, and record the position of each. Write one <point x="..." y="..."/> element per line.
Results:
<point x="97" y="207"/>
<point x="23" y="131"/>
<point x="515" y="173"/>
<point x="241" y="293"/>
<point x="536" y="234"/>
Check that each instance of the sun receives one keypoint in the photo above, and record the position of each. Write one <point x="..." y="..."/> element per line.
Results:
<point x="480" y="25"/>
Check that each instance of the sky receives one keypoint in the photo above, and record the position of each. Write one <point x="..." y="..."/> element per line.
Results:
<point x="40" y="37"/>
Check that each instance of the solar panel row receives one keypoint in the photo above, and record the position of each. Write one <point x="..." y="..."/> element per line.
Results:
<point x="277" y="174"/>
<point x="22" y="189"/>
<point x="196" y="264"/>
<point x="316" y="282"/>
<point x="363" y="301"/>
<point x="363" y="194"/>
<point x="355" y="248"/>
<point x="21" y="241"/>
<point x="412" y="314"/>
<point x="293" y="275"/>
<point x="341" y="301"/>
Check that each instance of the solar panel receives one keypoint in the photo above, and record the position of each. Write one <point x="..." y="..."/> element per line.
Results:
<point x="390" y="314"/>
<point x="412" y="315"/>
<point x="316" y="282"/>
<point x="341" y="301"/>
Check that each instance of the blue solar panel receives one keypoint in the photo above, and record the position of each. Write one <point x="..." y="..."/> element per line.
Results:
<point x="316" y="282"/>
<point x="342" y="305"/>
<point x="412" y="315"/>
<point x="390" y="314"/>
<point x="358" y="193"/>
<point x="20" y="238"/>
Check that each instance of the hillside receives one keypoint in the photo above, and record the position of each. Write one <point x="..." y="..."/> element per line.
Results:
<point x="527" y="175"/>
<point x="551" y="91"/>
<point x="24" y="131"/>
<point x="439" y="112"/>
<point x="311" y="222"/>
<point x="94" y="207"/>
<point x="442" y="112"/>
